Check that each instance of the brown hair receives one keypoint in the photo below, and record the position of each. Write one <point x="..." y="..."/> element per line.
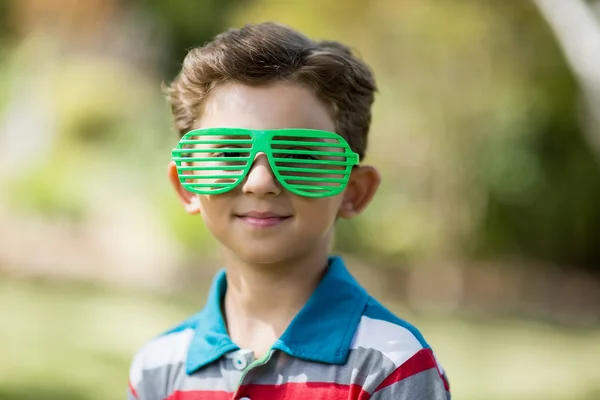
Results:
<point x="268" y="52"/>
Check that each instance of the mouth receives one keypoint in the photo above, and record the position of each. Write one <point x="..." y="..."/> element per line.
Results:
<point x="259" y="219"/>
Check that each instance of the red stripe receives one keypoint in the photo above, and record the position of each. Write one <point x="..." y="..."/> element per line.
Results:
<point x="295" y="391"/>
<point x="200" y="395"/>
<point x="132" y="390"/>
<point x="421" y="361"/>
<point x="304" y="391"/>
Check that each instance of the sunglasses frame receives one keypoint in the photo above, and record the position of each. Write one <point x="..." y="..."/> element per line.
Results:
<point x="262" y="141"/>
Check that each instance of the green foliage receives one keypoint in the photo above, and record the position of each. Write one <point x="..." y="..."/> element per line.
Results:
<point x="105" y="106"/>
<point x="3" y="20"/>
<point x="541" y="178"/>
<point x="187" y="24"/>
<point x="189" y="231"/>
<point x="555" y="216"/>
<point x="50" y="191"/>
<point x="45" y="393"/>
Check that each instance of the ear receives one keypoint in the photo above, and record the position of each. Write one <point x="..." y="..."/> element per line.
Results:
<point x="362" y="186"/>
<point x="190" y="201"/>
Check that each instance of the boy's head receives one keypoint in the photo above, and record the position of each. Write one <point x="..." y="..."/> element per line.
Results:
<point x="263" y="77"/>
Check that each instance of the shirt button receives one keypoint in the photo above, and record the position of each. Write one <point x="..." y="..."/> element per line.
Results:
<point x="240" y="364"/>
<point x="245" y="398"/>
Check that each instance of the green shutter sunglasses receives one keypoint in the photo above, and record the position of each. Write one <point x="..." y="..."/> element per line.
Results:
<point x="307" y="162"/>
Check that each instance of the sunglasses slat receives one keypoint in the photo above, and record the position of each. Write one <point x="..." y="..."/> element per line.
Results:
<point x="213" y="150"/>
<point x="208" y="185"/>
<point x="309" y="152"/>
<point x="311" y="170"/>
<point x="300" y="143"/>
<point x="312" y="178"/>
<point x="305" y="133"/>
<point x="315" y="162"/>
<point x="206" y="159"/>
<point x="220" y="167"/>
<point x="212" y="176"/>
<point x="313" y="187"/>
<point x="219" y="141"/>
<point x="224" y="132"/>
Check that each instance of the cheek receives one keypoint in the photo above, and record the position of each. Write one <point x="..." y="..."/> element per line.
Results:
<point x="213" y="208"/>
<point x="318" y="213"/>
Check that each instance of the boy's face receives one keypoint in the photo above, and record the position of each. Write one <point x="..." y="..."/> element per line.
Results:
<point x="259" y="221"/>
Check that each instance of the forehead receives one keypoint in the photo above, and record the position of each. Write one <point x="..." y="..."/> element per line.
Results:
<point x="274" y="106"/>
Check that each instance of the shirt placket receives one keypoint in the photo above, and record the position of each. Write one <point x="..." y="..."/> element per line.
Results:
<point x="247" y="372"/>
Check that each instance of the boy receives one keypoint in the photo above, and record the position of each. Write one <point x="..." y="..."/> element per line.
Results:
<point x="273" y="126"/>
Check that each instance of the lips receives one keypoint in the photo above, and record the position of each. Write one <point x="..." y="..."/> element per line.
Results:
<point x="262" y="219"/>
<point x="262" y="215"/>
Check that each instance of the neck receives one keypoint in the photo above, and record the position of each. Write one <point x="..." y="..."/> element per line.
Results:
<point x="262" y="300"/>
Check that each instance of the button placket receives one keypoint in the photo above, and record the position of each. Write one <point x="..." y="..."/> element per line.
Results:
<point x="254" y="364"/>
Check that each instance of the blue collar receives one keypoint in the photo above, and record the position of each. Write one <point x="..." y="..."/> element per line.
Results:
<point x="321" y="332"/>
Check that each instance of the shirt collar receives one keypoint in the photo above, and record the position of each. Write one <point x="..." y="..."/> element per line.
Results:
<point x="321" y="332"/>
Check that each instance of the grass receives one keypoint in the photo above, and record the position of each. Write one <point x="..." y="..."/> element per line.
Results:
<point x="75" y="341"/>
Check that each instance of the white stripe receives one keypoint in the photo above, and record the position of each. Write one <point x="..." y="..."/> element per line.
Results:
<point x="169" y="349"/>
<point x="394" y="341"/>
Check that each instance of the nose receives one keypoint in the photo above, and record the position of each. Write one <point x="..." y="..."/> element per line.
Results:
<point x="260" y="180"/>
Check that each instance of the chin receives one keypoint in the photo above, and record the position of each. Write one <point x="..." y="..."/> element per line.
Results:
<point x="268" y="257"/>
<point x="265" y="252"/>
<point x="273" y="250"/>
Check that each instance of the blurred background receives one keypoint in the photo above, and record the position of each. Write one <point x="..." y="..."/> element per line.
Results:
<point x="485" y="233"/>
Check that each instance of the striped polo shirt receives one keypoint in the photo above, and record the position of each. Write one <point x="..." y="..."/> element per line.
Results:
<point x="342" y="345"/>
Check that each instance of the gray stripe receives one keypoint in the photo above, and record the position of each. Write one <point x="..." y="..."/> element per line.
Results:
<point x="216" y="376"/>
<point x="173" y="377"/>
<point x="151" y="389"/>
<point x="220" y="375"/>
<point x="365" y="367"/>
<point x="426" y="385"/>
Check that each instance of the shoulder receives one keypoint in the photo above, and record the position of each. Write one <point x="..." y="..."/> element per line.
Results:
<point x="378" y="323"/>
<point x="399" y="346"/>
<point x="162" y="353"/>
